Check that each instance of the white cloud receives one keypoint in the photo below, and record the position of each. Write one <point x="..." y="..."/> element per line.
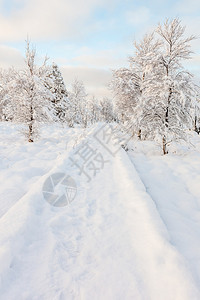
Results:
<point x="10" y="57"/>
<point x="96" y="80"/>
<point x="138" y="16"/>
<point x="187" y="7"/>
<point x="109" y="59"/>
<point x="193" y="64"/>
<point x="94" y="68"/>
<point x="45" y="19"/>
<point x="192" y="28"/>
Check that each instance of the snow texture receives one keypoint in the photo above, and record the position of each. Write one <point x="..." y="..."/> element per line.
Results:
<point x="132" y="232"/>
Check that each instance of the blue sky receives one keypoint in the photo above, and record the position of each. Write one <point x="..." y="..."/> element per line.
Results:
<point x="87" y="38"/>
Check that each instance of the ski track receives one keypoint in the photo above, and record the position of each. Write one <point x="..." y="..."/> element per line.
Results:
<point x="110" y="243"/>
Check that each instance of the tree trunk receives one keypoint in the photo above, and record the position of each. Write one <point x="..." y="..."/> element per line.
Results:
<point x="167" y="109"/>
<point x="30" y="133"/>
<point x="164" y="143"/>
<point x="31" y="126"/>
<point x="139" y="134"/>
<point x="195" y="125"/>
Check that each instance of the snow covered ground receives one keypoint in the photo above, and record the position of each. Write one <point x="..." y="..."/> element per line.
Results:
<point x="132" y="231"/>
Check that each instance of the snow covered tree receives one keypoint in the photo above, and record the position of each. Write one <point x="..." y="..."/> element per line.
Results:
<point x="177" y="90"/>
<point x="106" y="110"/>
<point x="126" y="89"/>
<point x="130" y="84"/>
<point x="2" y="95"/>
<point x="6" y="78"/>
<point x="29" y="98"/>
<point x="144" y="64"/>
<point x="55" y="83"/>
<point x="78" y="111"/>
<point x="196" y="115"/>
<point x="92" y="110"/>
<point x="156" y="93"/>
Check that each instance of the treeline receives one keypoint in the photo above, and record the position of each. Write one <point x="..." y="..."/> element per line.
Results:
<point x="155" y="98"/>
<point x="37" y="94"/>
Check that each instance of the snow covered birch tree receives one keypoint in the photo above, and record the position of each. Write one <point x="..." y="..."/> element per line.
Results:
<point x="177" y="90"/>
<point x="145" y="66"/>
<point x="130" y="84"/>
<point x="197" y="114"/>
<point x="29" y="98"/>
<point x="156" y="94"/>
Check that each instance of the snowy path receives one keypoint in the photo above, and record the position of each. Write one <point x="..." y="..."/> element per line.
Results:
<point x="109" y="243"/>
<point x="173" y="183"/>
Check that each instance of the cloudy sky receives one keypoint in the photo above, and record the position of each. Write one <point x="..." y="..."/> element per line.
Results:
<point x="88" y="38"/>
